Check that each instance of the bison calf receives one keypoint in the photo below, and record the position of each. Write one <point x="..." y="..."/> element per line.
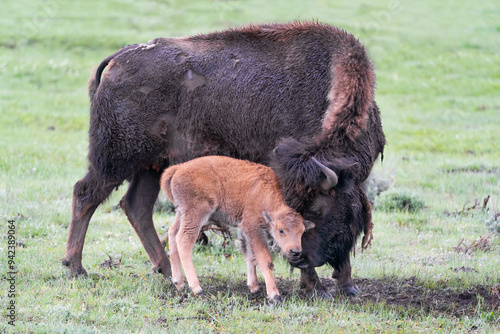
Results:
<point x="236" y="193"/>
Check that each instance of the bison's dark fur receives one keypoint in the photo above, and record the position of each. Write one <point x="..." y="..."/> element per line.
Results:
<point x="274" y="94"/>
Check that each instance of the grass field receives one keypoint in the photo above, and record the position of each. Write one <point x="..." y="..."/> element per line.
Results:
<point x="438" y="70"/>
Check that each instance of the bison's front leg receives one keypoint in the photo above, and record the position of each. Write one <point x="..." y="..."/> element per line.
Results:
<point x="138" y="205"/>
<point x="342" y="273"/>
<point x="345" y="283"/>
<point x="309" y="281"/>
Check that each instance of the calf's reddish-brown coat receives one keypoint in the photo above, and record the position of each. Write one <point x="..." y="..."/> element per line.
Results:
<point x="232" y="192"/>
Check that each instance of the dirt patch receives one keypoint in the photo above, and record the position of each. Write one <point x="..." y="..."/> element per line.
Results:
<point x="408" y="295"/>
<point x="400" y="294"/>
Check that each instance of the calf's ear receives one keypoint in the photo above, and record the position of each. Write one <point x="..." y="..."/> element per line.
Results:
<point x="309" y="224"/>
<point x="267" y="218"/>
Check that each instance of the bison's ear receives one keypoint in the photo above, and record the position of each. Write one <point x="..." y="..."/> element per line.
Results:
<point x="309" y="224"/>
<point x="267" y="218"/>
<point x="347" y="176"/>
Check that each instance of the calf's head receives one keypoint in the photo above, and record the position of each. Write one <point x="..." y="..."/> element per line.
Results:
<point x="287" y="227"/>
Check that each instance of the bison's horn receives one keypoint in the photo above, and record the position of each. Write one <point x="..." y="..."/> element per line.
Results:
<point x="331" y="177"/>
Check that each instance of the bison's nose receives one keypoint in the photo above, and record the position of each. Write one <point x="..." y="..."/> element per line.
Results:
<point x="294" y="253"/>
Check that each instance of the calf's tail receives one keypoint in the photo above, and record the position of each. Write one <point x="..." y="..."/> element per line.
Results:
<point x="165" y="182"/>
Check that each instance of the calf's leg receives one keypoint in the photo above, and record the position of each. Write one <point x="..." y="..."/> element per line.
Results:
<point x="190" y="227"/>
<point x="138" y="205"/>
<point x="174" y="253"/>
<point x="258" y="247"/>
<point x="252" y="282"/>
<point x="88" y="194"/>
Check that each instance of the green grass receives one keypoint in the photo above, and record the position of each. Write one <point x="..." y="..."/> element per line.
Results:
<point x="438" y="70"/>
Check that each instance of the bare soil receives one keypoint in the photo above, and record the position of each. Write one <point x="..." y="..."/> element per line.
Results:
<point x="399" y="294"/>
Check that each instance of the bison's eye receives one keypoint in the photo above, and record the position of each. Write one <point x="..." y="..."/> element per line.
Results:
<point x="281" y="231"/>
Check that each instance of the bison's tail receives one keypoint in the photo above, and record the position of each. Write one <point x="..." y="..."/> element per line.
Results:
<point x="95" y="79"/>
<point x="351" y="94"/>
<point x="165" y="182"/>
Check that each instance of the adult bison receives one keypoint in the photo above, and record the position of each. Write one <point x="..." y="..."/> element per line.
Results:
<point x="277" y="94"/>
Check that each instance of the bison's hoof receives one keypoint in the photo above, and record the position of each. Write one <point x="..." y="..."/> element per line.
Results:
<point x="80" y="272"/>
<point x="321" y="293"/>
<point x="163" y="269"/>
<point x="277" y="299"/>
<point x="157" y="270"/>
<point x="324" y="294"/>
<point x="350" y="290"/>
<point x="74" y="272"/>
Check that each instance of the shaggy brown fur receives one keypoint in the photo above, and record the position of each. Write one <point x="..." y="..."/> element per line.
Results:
<point x="299" y="89"/>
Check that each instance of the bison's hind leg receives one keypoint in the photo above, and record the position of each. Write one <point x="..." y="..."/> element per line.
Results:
<point x="88" y="194"/>
<point x="138" y="205"/>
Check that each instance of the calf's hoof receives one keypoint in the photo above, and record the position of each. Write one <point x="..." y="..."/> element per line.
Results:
<point x="277" y="299"/>
<point x="254" y="290"/>
<point x="198" y="292"/>
<point x="179" y="284"/>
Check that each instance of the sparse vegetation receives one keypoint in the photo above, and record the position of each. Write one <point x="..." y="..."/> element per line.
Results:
<point x="481" y="244"/>
<point x="492" y="221"/>
<point x="437" y="65"/>
<point x="399" y="199"/>
<point x="380" y="180"/>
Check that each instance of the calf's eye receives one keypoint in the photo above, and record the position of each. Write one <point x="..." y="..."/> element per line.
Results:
<point x="281" y="231"/>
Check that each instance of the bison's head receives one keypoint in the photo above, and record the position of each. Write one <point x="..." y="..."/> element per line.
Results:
<point x="321" y="186"/>
<point x="286" y="226"/>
